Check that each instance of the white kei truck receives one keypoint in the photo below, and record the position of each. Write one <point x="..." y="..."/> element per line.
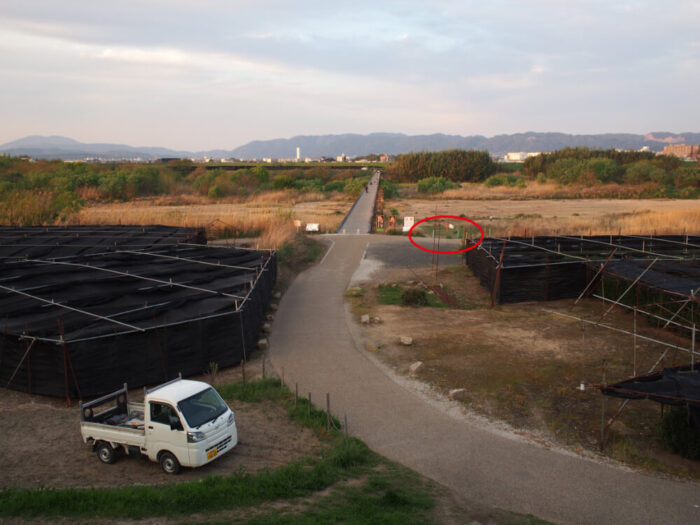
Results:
<point x="181" y="423"/>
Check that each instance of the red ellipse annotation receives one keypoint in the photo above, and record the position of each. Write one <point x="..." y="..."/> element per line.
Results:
<point x="410" y="238"/>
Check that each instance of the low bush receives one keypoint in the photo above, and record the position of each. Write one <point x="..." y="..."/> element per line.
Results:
<point x="505" y="179"/>
<point x="679" y="434"/>
<point x="435" y="185"/>
<point x="414" y="297"/>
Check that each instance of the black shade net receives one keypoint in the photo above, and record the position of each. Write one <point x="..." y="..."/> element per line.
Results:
<point x="81" y="320"/>
<point x="558" y="267"/>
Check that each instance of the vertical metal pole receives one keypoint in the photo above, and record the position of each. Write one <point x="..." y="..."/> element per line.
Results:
<point x="602" y="409"/>
<point x="692" y="351"/>
<point x="634" y="364"/>
<point x="328" y="411"/>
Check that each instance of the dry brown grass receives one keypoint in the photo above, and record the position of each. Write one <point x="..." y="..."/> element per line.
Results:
<point x="537" y="190"/>
<point x="268" y="217"/>
<point x="642" y="222"/>
<point x="570" y="216"/>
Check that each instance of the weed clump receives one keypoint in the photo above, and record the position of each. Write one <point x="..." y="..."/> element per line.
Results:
<point x="414" y="297"/>
<point x="679" y="434"/>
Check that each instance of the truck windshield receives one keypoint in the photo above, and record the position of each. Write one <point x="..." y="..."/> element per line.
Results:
<point x="202" y="407"/>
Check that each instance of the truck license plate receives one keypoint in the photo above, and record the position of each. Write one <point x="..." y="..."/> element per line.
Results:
<point x="212" y="453"/>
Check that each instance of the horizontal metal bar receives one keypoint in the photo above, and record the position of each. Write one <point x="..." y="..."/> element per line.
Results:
<point x="78" y="310"/>
<point x="540" y="248"/>
<point x="670" y="345"/>
<point x="620" y="246"/>
<point x="136" y="276"/>
<point x="150" y="254"/>
<point x="642" y="311"/>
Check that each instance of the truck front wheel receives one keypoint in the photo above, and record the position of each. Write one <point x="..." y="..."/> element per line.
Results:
<point x="169" y="463"/>
<point x="106" y="453"/>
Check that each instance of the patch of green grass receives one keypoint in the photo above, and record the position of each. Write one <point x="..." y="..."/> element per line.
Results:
<point x="394" y="294"/>
<point x="390" y="496"/>
<point x="389" y="294"/>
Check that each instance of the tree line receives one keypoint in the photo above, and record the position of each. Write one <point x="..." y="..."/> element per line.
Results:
<point x="455" y="165"/>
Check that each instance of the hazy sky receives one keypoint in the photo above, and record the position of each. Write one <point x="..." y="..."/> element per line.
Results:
<point x="201" y="74"/>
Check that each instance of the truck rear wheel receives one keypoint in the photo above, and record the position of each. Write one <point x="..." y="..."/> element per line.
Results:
<point x="169" y="463"/>
<point x="106" y="453"/>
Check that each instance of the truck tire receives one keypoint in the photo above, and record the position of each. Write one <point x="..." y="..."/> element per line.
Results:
<point x="105" y="453"/>
<point x="169" y="463"/>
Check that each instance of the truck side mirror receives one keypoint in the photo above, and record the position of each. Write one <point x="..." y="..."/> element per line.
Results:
<point x="175" y="423"/>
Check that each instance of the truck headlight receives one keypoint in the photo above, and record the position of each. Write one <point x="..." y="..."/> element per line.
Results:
<point x="194" y="437"/>
<point x="230" y="419"/>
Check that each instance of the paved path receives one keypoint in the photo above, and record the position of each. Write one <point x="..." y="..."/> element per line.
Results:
<point x="313" y="341"/>
<point x="359" y="220"/>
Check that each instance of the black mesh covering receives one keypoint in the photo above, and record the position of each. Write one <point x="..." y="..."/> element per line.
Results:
<point x="84" y="323"/>
<point x="548" y="268"/>
<point x="672" y="386"/>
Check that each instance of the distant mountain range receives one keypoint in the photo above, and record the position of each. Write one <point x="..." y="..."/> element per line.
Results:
<point x="314" y="146"/>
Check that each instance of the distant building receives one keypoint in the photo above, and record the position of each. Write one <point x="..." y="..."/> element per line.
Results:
<point x="387" y="158"/>
<point x="684" y="151"/>
<point x="342" y="158"/>
<point x="298" y="153"/>
<point x="520" y="156"/>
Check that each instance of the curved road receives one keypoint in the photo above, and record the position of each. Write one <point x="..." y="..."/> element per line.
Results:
<point x="313" y="342"/>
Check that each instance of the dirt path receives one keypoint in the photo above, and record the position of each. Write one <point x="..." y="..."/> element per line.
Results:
<point x="315" y="344"/>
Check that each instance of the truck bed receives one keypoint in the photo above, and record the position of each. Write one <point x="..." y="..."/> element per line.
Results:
<point x="125" y="428"/>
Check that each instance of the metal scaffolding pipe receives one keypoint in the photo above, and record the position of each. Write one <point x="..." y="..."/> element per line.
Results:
<point x="136" y="276"/>
<point x="78" y="310"/>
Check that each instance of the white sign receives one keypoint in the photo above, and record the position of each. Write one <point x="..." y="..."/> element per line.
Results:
<point x="312" y="227"/>
<point x="408" y="223"/>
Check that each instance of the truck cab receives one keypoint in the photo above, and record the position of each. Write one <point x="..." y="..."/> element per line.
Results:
<point x="181" y="423"/>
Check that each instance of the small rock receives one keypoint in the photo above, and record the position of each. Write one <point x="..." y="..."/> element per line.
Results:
<point x="263" y="344"/>
<point x="457" y="393"/>
<point x="376" y="320"/>
<point x="269" y="317"/>
<point x="364" y="319"/>
<point x="277" y="295"/>
<point x="267" y="328"/>
<point x="406" y="341"/>
<point x="274" y="307"/>
<point x="415" y="368"/>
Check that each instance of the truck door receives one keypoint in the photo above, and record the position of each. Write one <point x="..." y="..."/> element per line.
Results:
<point x="165" y="432"/>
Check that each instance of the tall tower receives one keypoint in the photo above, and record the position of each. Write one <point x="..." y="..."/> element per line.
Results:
<point x="298" y="153"/>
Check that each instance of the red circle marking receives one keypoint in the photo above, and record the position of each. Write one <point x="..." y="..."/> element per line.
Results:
<point x="410" y="238"/>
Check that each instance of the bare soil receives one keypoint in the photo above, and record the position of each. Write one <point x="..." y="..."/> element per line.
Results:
<point x="41" y="445"/>
<point x="523" y="365"/>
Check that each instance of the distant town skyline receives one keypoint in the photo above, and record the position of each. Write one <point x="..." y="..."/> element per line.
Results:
<point x="187" y="74"/>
